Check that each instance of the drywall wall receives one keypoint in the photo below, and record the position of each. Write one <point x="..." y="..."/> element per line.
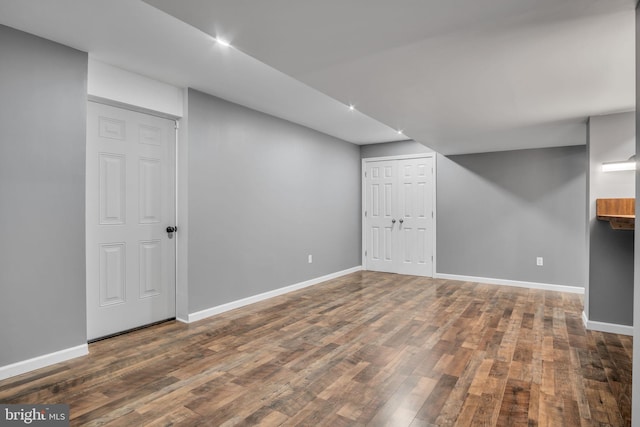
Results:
<point x="263" y="195"/>
<point x="497" y="212"/>
<point x="609" y="293"/>
<point x="635" y="392"/>
<point x="109" y="83"/>
<point x="43" y="88"/>
<point x="399" y="148"/>
<point x="182" y="214"/>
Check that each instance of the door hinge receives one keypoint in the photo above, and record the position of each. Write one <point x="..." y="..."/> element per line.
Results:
<point x="177" y="125"/>
<point x="365" y="174"/>
<point x="365" y="253"/>
<point x="431" y="214"/>
<point x="365" y="213"/>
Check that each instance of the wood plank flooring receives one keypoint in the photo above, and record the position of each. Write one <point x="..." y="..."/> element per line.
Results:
<point x="365" y="349"/>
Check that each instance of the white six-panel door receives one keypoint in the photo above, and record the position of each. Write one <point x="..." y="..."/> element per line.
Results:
<point x="130" y="203"/>
<point x="415" y="222"/>
<point x="398" y="221"/>
<point x="381" y="207"/>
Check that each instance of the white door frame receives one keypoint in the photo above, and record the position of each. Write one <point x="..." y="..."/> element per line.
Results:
<point x="364" y="200"/>
<point x="176" y="119"/>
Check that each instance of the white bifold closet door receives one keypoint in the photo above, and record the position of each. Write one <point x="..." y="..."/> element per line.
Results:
<point x="130" y="203"/>
<point x="399" y="216"/>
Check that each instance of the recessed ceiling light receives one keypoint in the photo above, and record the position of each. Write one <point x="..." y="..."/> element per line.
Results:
<point x="400" y="132"/>
<point x="352" y="107"/>
<point x="222" y="42"/>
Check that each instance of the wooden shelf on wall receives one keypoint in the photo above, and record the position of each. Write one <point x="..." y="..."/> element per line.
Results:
<point x="621" y="213"/>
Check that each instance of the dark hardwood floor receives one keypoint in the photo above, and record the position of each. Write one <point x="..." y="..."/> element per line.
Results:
<point x="365" y="349"/>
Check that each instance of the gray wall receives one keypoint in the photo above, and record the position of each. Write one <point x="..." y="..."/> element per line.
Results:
<point x="42" y="178"/>
<point x="496" y="212"/>
<point x="398" y="148"/>
<point x="263" y="194"/>
<point x="635" y="392"/>
<point x="609" y="293"/>
<point x="610" y="274"/>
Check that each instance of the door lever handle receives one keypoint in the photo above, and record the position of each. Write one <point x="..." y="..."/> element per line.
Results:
<point x="171" y="229"/>
<point x="393" y="221"/>
<point x="401" y="221"/>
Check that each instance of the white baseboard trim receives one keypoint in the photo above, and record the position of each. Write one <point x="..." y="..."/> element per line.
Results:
<point x="516" y="283"/>
<point x="612" y="328"/>
<point x="203" y="314"/>
<point x="18" y="368"/>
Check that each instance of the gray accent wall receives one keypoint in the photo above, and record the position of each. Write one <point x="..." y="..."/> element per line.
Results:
<point x="609" y="293"/>
<point x="635" y="392"/>
<point x="43" y="91"/>
<point x="182" y="218"/>
<point x="497" y="212"/>
<point x="265" y="193"/>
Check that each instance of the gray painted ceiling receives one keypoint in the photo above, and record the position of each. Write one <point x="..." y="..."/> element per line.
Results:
<point x="459" y="76"/>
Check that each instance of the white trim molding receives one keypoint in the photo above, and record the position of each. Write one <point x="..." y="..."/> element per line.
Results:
<point x="516" y="283"/>
<point x="612" y="328"/>
<point x="400" y="157"/>
<point x="24" y="366"/>
<point x="203" y="314"/>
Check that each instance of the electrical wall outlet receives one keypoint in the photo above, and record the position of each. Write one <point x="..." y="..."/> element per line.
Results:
<point x="310" y="259"/>
<point x="539" y="261"/>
